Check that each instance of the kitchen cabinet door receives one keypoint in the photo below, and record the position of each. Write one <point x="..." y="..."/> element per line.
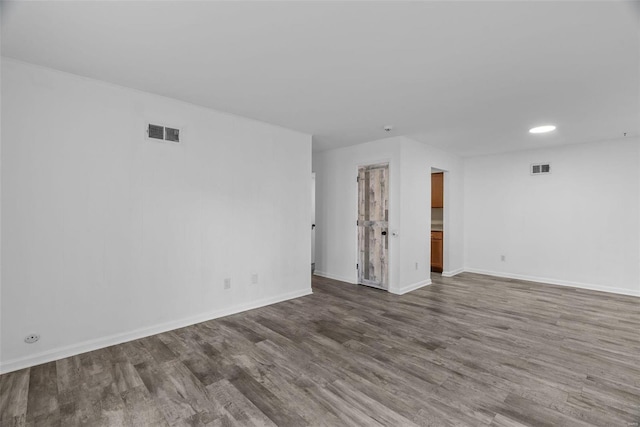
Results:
<point x="437" y="190"/>
<point x="437" y="259"/>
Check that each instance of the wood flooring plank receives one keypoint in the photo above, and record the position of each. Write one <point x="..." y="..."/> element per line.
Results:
<point x="158" y="349"/>
<point x="502" y="421"/>
<point x="42" y="405"/>
<point x="140" y="408"/>
<point x="237" y="409"/>
<point x="286" y="384"/>
<point x="265" y="400"/>
<point x="530" y="413"/>
<point x="18" y="421"/>
<point x="125" y="375"/>
<point x="176" y="392"/>
<point x="14" y="390"/>
<point x="348" y="414"/>
<point x="377" y="410"/>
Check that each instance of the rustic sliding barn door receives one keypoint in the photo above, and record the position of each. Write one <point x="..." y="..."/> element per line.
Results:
<point x="373" y="225"/>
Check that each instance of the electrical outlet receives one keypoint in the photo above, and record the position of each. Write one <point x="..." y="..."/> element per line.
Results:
<point x="31" y="338"/>
<point x="254" y="279"/>
<point x="227" y="283"/>
<point x="503" y="258"/>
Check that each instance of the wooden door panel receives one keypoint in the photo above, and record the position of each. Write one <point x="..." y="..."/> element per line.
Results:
<point x="373" y="215"/>
<point x="437" y="258"/>
<point x="437" y="190"/>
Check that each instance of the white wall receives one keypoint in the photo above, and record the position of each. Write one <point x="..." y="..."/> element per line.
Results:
<point x="1" y="61"/>
<point x="578" y="225"/>
<point x="416" y="200"/>
<point x="410" y="164"/>
<point x="337" y="206"/>
<point x="108" y="236"/>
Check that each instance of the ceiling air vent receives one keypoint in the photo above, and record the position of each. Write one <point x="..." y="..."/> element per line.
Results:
<point x="155" y="131"/>
<point x="540" y="168"/>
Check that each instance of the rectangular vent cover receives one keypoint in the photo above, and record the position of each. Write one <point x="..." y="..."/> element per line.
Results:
<point x="172" y="134"/>
<point x="156" y="132"/>
<point x="163" y="133"/>
<point x="540" y="168"/>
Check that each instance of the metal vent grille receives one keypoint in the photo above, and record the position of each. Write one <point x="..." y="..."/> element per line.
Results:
<point x="540" y="168"/>
<point x="155" y="131"/>
<point x="172" y="134"/>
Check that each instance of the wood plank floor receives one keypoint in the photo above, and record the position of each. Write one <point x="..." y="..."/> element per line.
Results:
<point x="467" y="351"/>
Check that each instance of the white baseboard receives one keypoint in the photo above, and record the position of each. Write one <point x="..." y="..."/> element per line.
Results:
<point x="579" y="285"/>
<point x="412" y="287"/>
<point x="452" y="272"/>
<point x="333" y="277"/>
<point x="98" y="343"/>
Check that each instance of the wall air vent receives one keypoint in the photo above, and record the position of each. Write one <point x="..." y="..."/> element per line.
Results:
<point x="540" y="168"/>
<point x="171" y="134"/>
<point x="163" y="133"/>
<point x="155" y="131"/>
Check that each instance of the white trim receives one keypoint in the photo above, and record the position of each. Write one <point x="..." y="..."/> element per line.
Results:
<point x="579" y="285"/>
<point x="334" y="277"/>
<point x="411" y="287"/>
<point x="95" y="344"/>
<point x="453" y="272"/>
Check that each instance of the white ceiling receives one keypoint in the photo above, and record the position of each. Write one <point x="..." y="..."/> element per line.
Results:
<point x="469" y="77"/>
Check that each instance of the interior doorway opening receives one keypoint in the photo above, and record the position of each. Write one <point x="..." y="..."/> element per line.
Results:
<point x="313" y="222"/>
<point x="437" y="220"/>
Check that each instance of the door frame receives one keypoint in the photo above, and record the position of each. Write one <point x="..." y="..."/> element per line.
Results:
<point x="356" y="167"/>
<point x="445" y="218"/>
<point x="313" y="222"/>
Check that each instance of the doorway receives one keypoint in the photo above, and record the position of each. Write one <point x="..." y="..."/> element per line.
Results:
<point x="313" y="222"/>
<point x="373" y="225"/>
<point x="437" y="221"/>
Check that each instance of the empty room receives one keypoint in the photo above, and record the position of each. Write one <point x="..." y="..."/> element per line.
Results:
<point x="320" y="213"/>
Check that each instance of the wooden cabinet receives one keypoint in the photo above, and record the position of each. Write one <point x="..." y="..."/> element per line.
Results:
<point x="436" y="251"/>
<point x="437" y="190"/>
<point x="437" y="201"/>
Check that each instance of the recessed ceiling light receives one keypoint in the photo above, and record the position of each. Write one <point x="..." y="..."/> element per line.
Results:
<point x="542" y="129"/>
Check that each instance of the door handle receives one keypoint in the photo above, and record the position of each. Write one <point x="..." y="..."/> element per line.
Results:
<point x="384" y="233"/>
<point x="313" y="226"/>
